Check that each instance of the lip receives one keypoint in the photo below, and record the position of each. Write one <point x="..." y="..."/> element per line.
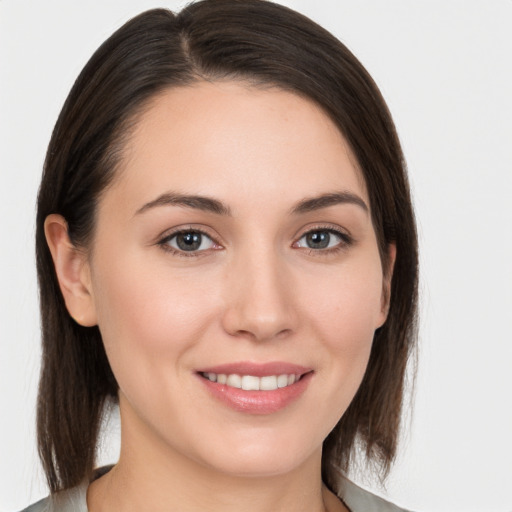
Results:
<point x="257" y="369"/>
<point x="257" y="402"/>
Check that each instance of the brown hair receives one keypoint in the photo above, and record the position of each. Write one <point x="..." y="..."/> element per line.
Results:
<point x="266" y="45"/>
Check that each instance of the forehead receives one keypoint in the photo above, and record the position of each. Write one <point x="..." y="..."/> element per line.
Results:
<point x="236" y="142"/>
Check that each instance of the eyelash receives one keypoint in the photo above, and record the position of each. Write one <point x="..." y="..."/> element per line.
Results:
<point x="164" y="243"/>
<point x="345" y="241"/>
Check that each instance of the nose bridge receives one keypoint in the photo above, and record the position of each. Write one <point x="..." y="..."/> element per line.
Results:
<point x="259" y="302"/>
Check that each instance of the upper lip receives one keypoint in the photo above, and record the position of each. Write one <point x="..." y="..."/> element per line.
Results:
<point x="256" y="369"/>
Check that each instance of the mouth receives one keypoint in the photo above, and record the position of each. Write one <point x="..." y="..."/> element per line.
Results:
<point x="252" y="382"/>
<point x="256" y="388"/>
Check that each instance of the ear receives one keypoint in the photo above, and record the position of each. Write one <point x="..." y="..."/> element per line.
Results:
<point x="386" y="283"/>
<point x="72" y="271"/>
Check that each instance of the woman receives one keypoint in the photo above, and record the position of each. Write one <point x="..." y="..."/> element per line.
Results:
<point x="226" y="247"/>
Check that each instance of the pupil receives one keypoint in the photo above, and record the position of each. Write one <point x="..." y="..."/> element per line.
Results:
<point x="189" y="241"/>
<point x="318" y="239"/>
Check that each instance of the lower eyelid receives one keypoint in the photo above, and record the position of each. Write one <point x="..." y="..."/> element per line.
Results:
<point x="163" y="242"/>
<point x="345" y="239"/>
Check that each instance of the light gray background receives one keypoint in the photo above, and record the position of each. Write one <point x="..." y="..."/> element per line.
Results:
<point x="444" y="66"/>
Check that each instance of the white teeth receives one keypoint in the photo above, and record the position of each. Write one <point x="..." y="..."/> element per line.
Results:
<point x="234" y="381"/>
<point x="252" y="383"/>
<point x="268" y="383"/>
<point x="282" y="381"/>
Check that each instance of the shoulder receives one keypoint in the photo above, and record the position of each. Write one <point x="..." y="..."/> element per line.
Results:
<point x="40" y="506"/>
<point x="355" y="498"/>
<point x="358" y="499"/>
<point x="71" y="500"/>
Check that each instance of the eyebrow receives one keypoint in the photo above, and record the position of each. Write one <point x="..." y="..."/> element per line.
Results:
<point x="209" y="204"/>
<point x="326" y="200"/>
<point x="197" y="202"/>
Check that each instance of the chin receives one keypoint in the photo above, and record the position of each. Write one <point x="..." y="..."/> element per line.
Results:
<point x="259" y="459"/>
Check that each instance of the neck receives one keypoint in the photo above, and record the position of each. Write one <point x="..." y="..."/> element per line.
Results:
<point x="152" y="476"/>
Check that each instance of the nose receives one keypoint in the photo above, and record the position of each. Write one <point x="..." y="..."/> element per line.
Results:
<point x="260" y="298"/>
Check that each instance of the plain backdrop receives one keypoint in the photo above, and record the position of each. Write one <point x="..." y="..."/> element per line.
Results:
<point x="444" y="67"/>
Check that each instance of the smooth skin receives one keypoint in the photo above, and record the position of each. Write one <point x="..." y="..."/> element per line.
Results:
<point x="266" y="281"/>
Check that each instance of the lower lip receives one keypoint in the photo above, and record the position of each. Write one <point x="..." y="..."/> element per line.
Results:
<point x="258" y="402"/>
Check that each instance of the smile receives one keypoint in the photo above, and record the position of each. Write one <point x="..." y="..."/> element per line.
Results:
<point x="251" y="382"/>
<point x="256" y="388"/>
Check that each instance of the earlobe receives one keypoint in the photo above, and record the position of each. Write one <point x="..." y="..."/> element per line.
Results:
<point x="72" y="271"/>
<point x="386" y="282"/>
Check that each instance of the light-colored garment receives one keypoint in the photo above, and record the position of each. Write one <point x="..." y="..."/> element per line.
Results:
<point x="74" y="500"/>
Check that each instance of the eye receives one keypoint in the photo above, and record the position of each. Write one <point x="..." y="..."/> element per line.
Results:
<point x="322" y="239"/>
<point x="187" y="241"/>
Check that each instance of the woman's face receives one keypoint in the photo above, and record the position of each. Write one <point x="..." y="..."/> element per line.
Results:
<point x="235" y="248"/>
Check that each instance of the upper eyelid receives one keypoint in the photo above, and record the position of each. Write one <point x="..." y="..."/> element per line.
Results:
<point x="164" y="239"/>
<point x="323" y="227"/>
<point x="169" y="234"/>
<point x="345" y="238"/>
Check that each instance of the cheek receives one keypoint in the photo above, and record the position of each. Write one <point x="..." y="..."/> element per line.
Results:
<point x="344" y="315"/>
<point x="348" y="307"/>
<point x="147" y="315"/>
